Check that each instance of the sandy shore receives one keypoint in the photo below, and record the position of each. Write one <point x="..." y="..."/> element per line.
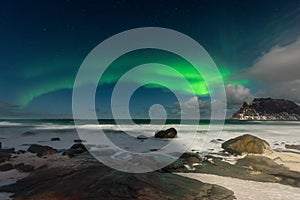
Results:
<point x="249" y="190"/>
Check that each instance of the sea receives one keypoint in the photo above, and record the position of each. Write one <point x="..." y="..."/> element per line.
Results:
<point x="203" y="137"/>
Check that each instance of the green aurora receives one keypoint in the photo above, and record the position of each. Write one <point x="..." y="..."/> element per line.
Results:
<point x="122" y="65"/>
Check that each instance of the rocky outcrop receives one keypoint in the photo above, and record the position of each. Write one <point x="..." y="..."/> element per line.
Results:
<point x="41" y="150"/>
<point x="268" y="166"/>
<point x="100" y="182"/>
<point x="252" y="167"/>
<point x="169" y="133"/>
<point x="246" y="144"/>
<point x="268" y="109"/>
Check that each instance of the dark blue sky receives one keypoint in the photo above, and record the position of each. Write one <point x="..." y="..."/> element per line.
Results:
<point x="43" y="43"/>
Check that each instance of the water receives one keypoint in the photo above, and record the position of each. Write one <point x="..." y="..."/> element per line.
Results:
<point x="277" y="133"/>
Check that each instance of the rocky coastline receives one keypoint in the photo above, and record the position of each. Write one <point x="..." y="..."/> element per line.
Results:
<point x="42" y="172"/>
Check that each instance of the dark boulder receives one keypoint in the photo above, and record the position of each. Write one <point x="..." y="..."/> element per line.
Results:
<point x="79" y="141"/>
<point x="141" y="137"/>
<point x="41" y="150"/>
<point x="6" y="167"/>
<point x="75" y="149"/>
<point x="9" y="150"/>
<point x="184" y="163"/>
<point x="4" y="156"/>
<point x="246" y="144"/>
<point x="169" y="133"/>
<point x="79" y="148"/>
<point x="292" y="146"/>
<point x="191" y="158"/>
<point x="24" y="168"/>
<point x="55" y="139"/>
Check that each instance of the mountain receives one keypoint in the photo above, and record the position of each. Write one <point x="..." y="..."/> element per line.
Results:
<point x="268" y="109"/>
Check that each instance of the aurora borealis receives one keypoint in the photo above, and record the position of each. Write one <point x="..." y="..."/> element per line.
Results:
<point x="44" y="43"/>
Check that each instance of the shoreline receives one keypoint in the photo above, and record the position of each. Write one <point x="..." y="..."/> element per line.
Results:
<point x="215" y="166"/>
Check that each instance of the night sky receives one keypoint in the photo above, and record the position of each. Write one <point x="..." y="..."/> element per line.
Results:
<point x="255" y="45"/>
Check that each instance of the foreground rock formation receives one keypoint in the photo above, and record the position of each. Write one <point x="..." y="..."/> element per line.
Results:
<point x="268" y="109"/>
<point x="81" y="177"/>
<point x="100" y="182"/>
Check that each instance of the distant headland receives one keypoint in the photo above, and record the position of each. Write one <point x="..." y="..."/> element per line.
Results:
<point x="268" y="109"/>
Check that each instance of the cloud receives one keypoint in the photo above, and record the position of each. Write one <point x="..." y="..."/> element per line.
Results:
<point x="188" y="107"/>
<point x="236" y="95"/>
<point x="279" y="70"/>
<point x="280" y="64"/>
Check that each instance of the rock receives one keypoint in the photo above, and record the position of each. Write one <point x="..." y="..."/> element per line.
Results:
<point x="176" y="166"/>
<point x="41" y="150"/>
<point x="191" y="158"/>
<point x="79" y="141"/>
<point x="100" y="182"/>
<point x="292" y="146"/>
<point x="153" y="149"/>
<point x="141" y="137"/>
<point x="55" y="139"/>
<point x="184" y="163"/>
<point x="268" y="166"/>
<point x="169" y="133"/>
<point x="20" y="152"/>
<point x="6" y="167"/>
<point x="246" y="144"/>
<point x="9" y="150"/>
<point x="268" y="109"/>
<point x="259" y="163"/>
<point x="24" y="168"/>
<point x="4" y="156"/>
<point x="28" y="133"/>
<point x="216" y="140"/>
<point x="77" y="148"/>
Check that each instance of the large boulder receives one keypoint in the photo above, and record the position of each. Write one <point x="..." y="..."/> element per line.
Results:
<point x="41" y="150"/>
<point x="246" y="144"/>
<point x="169" y="133"/>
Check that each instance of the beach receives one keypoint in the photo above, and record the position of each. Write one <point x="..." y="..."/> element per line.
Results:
<point x="61" y="138"/>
